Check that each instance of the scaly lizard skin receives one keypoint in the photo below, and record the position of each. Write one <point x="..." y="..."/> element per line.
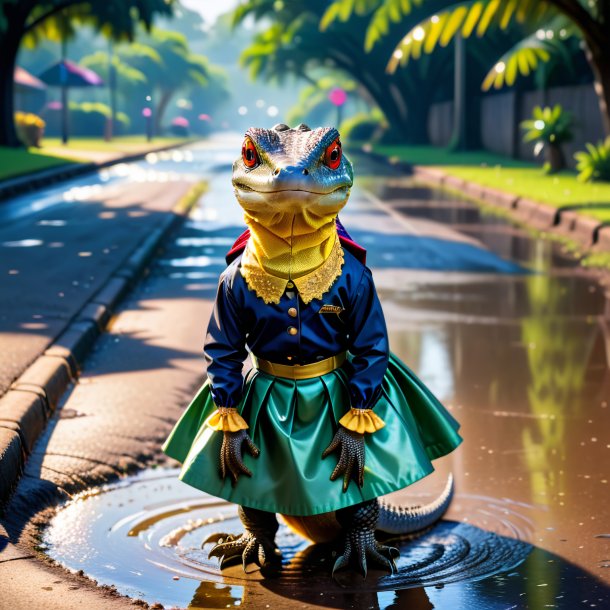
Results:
<point x="291" y="200"/>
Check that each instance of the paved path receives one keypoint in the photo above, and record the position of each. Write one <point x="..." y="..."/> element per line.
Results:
<point x="51" y="263"/>
<point x="468" y="331"/>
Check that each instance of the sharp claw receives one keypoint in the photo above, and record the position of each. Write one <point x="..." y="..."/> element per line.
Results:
<point x="362" y="567"/>
<point x="341" y="562"/>
<point x="380" y="557"/>
<point x="228" y="560"/>
<point x="245" y="549"/>
<point x="218" y="537"/>
<point x="388" y="551"/>
<point x="251" y="546"/>
<point x="362" y="550"/>
<point x="217" y="551"/>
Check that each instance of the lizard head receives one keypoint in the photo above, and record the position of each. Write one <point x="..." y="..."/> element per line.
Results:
<point x="292" y="171"/>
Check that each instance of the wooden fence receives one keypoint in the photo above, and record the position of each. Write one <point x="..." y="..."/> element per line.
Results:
<point x="501" y="114"/>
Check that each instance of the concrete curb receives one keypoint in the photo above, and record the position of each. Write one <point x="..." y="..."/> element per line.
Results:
<point x="32" y="398"/>
<point x="36" y="180"/>
<point x="585" y="230"/>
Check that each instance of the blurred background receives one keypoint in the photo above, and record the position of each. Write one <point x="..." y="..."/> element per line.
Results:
<point x="456" y="75"/>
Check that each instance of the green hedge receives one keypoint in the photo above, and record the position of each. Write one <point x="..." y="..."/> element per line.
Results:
<point x="363" y="127"/>
<point x="86" y="119"/>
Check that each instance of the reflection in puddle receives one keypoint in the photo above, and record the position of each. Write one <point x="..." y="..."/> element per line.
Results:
<point x="144" y="534"/>
<point x="23" y="243"/>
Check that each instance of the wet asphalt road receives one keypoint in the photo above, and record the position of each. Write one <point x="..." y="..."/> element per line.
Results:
<point x="512" y="336"/>
<point x="59" y="245"/>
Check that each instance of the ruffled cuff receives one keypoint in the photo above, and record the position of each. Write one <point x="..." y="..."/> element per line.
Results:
<point x="227" y="419"/>
<point x="362" y="420"/>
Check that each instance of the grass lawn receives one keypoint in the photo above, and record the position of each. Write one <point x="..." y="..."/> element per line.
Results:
<point x="124" y="144"/>
<point x="19" y="161"/>
<point x="510" y="175"/>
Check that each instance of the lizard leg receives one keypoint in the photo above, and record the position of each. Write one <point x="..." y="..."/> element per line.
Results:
<point x="358" y="523"/>
<point x="256" y="544"/>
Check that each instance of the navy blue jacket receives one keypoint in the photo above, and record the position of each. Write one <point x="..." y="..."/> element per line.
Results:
<point x="242" y="322"/>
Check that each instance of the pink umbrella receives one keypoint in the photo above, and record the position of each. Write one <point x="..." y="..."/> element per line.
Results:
<point x="23" y="79"/>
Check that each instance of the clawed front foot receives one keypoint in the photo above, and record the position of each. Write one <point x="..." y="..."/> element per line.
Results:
<point x="255" y="545"/>
<point x="246" y="548"/>
<point x="360" y="547"/>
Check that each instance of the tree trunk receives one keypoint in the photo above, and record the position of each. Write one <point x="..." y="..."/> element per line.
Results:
<point x="555" y="158"/>
<point x="458" y="137"/>
<point x="417" y="124"/>
<point x="599" y="59"/>
<point x="9" y="42"/>
<point x="381" y="89"/>
<point x="164" y="99"/>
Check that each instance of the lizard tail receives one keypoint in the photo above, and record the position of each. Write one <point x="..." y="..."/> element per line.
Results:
<point x="409" y="519"/>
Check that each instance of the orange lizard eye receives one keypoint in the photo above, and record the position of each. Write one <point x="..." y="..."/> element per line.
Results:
<point x="332" y="155"/>
<point x="249" y="154"/>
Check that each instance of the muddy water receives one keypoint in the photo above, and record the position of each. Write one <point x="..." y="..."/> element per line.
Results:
<point x="514" y="339"/>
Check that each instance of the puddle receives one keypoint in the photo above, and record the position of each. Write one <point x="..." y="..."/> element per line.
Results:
<point x="143" y="536"/>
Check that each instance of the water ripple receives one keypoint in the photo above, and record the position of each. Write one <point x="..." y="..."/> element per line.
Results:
<point x="143" y="535"/>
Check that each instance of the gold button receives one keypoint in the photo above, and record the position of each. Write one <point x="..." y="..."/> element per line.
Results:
<point x="292" y="330"/>
<point x="288" y="357"/>
<point x="292" y="312"/>
<point x="289" y="285"/>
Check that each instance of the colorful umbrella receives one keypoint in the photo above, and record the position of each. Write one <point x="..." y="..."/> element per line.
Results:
<point x="66" y="74"/>
<point x="25" y="80"/>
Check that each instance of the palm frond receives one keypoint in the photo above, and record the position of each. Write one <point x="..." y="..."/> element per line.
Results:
<point x="520" y="60"/>
<point x="342" y="10"/>
<point x="541" y="46"/>
<point x="468" y="17"/>
<point x="391" y="11"/>
<point x="251" y="8"/>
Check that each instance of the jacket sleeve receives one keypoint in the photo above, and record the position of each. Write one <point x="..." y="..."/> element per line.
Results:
<point x="368" y="345"/>
<point x="225" y="348"/>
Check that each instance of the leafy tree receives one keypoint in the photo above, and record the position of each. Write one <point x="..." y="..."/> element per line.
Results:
<point x="293" y="44"/>
<point x="127" y="76"/>
<point x="160" y="65"/>
<point x="208" y="99"/>
<point x="427" y="23"/>
<point x="116" y="18"/>
<point x="179" y="69"/>
<point x="143" y="70"/>
<point x="313" y="104"/>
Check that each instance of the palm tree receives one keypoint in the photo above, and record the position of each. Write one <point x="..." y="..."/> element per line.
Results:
<point x="428" y="23"/>
<point x="178" y="69"/>
<point x="294" y="44"/>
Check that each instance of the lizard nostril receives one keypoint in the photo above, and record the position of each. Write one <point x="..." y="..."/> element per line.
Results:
<point x="277" y="171"/>
<point x="305" y="172"/>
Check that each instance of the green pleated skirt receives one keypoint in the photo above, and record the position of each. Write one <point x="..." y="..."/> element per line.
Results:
<point x="293" y="421"/>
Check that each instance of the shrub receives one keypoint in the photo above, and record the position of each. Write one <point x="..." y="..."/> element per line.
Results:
<point x="594" y="163"/>
<point x="30" y="128"/>
<point x="364" y="127"/>
<point x="180" y="127"/>
<point x="86" y="119"/>
<point x="549" y="128"/>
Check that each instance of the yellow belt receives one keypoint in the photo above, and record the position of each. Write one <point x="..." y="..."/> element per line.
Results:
<point x="300" y="371"/>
